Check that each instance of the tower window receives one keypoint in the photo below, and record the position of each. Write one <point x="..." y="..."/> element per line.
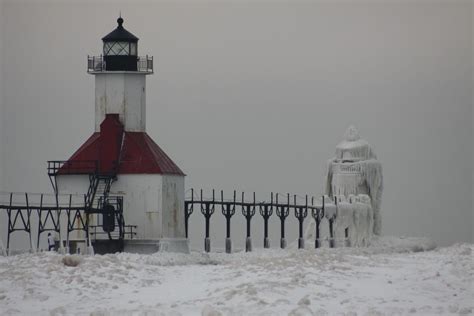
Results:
<point x="133" y="49"/>
<point x="118" y="48"/>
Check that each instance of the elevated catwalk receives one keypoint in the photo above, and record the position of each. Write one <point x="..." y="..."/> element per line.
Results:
<point x="63" y="215"/>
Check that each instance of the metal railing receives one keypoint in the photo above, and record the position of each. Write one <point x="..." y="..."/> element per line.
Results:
<point x="115" y="200"/>
<point x="24" y="210"/>
<point x="129" y="232"/>
<point x="72" y="167"/>
<point x="56" y="167"/>
<point x="98" y="64"/>
<point x="282" y="205"/>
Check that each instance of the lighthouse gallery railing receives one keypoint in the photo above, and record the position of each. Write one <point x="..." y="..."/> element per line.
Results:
<point x="98" y="64"/>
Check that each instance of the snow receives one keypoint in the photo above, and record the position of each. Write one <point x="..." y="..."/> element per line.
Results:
<point x="393" y="276"/>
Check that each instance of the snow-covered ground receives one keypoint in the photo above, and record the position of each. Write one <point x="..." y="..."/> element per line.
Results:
<point x="383" y="279"/>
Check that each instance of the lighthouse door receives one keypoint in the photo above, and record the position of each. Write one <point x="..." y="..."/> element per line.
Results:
<point x="108" y="218"/>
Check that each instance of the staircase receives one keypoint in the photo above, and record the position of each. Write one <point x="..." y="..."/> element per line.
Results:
<point x="99" y="188"/>
<point x="97" y="200"/>
<point x="98" y="203"/>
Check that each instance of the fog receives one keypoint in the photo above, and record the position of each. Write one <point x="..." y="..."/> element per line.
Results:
<point x="255" y="97"/>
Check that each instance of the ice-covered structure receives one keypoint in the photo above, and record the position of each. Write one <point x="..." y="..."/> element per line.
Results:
<point x="353" y="192"/>
<point x="354" y="222"/>
<point x="355" y="175"/>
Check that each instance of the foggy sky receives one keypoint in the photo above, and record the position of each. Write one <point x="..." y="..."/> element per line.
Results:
<point x="255" y="97"/>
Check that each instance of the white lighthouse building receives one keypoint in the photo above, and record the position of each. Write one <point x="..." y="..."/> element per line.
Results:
<point x="120" y="166"/>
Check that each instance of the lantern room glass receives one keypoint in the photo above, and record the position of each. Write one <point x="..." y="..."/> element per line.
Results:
<point x="133" y="49"/>
<point x="120" y="49"/>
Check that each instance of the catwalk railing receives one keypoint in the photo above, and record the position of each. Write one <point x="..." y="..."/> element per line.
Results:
<point x="62" y="214"/>
<point x="48" y="209"/>
<point x="280" y="205"/>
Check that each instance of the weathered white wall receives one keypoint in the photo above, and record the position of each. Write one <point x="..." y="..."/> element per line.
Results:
<point x="122" y="93"/>
<point x="142" y="199"/>
<point x="152" y="202"/>
<point x="72" y="184"/>
<point x="76" y="185"/>
<point x="173" y="206"/>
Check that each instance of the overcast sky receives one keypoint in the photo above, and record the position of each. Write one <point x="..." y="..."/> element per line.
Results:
<point x="254" y="96"/>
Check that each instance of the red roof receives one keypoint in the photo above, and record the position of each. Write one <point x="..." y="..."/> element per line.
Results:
<point x="135" y="152"/>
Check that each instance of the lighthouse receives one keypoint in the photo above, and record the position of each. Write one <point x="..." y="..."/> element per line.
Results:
<point x="133" y="189"/>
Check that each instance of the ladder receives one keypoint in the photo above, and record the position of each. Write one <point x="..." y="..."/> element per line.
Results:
<point x="99" y="188"/>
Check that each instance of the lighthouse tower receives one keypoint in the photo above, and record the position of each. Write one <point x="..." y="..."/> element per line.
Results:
<point x="120" y="168"/>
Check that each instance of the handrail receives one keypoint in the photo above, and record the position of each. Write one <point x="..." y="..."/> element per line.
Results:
<point x="72" y="167"/>
<point x="131" y="230"/>
<point x="98" y="64"/>
<point x="62" y="167"/>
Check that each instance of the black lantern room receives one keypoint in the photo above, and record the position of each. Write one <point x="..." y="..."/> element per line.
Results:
<point x="120" y="49"/>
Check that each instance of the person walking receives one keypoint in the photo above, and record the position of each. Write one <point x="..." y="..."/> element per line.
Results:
<point x="51" y="243"/>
